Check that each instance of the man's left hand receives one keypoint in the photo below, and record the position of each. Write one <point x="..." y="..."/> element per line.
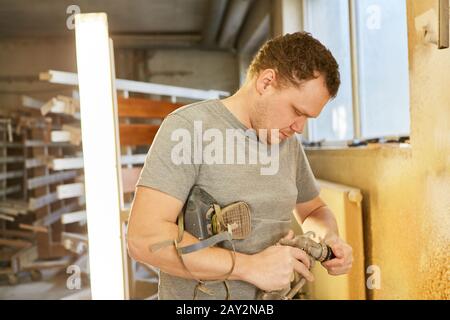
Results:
<point x="344" y="257"/>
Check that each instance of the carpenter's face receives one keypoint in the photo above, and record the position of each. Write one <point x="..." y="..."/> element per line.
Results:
<point x="288" y="109"/>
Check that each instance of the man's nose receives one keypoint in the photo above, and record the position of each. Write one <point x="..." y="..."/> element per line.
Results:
<point x="298" y="124"/>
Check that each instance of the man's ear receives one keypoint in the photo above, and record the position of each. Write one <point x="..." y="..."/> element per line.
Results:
<point x="265" y="79"/>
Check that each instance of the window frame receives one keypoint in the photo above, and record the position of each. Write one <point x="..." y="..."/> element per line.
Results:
<point x="308" y="134"/>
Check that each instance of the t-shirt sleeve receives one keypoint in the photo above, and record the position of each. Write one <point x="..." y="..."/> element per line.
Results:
<point x="169" y="165"/>
<point x="307" y="186"/>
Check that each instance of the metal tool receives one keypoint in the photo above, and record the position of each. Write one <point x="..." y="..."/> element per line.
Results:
<point x="317" y="251"/>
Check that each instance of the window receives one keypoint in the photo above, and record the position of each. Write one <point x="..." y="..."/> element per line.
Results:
<point x="381" y="59"/>
<point x="328" y="22"/>
<point x="382" y="44"/>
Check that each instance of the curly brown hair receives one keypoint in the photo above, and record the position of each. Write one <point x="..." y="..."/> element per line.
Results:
<point x="297" y="57"/>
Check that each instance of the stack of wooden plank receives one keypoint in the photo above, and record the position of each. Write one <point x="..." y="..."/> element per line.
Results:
<point x="35" y="225"/>
<point x="12" y="206"/>
<point x="46" y="219"/>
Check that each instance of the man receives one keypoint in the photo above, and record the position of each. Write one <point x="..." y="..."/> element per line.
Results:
<point x="291" y="79"/>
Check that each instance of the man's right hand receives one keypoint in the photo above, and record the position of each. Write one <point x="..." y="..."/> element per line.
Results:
<point x="272" y="269"/>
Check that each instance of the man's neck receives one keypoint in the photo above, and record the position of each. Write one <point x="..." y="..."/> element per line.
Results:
<point x="239" y="105"/>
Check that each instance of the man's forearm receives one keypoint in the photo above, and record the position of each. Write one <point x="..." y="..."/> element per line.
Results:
<point x="205" y="264"/>
<point x="322" y="222"/>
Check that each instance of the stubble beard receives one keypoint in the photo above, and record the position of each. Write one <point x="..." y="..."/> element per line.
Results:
<point x="260" y="120"/>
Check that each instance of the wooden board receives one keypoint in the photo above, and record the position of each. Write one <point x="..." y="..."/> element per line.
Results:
<point x="66" y="163"/>
<point x="16" y="233"/>
<point x="36" y="162"/>
<point x="40" y="143"/>
<point x="75" y="133"/>
<point x="11" y="174"/>
<point x="137" y="134"/>
<point x="36" y="203"/>
<point x="33" y="228"/>
<point x="71" y="190"/>
<point x="13" y="207"/>
<point x="60" y="136"/>
<point x="71" y="217"/>
<point x="50" y="179"/>
<point x="61" y="104"/>
<point x="15" y="243"/>
<point x="31" y="102"/>
<point x="145" y="108"/>
<point x="6" y="217"/>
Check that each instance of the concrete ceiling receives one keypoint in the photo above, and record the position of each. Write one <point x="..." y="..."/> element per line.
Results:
<point x="134" y="23"/>
<point x="48" y="17"/>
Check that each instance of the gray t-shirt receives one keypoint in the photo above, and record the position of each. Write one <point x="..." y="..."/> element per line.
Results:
<point x="271" y="197"/>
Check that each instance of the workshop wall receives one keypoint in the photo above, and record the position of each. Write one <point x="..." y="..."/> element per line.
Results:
<point x="21" y="60"/>
<point x="197" y="69"/>
<point x="406" y="191"/>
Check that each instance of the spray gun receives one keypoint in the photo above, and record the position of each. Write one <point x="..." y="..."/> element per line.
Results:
<point x="315" y="250"/>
